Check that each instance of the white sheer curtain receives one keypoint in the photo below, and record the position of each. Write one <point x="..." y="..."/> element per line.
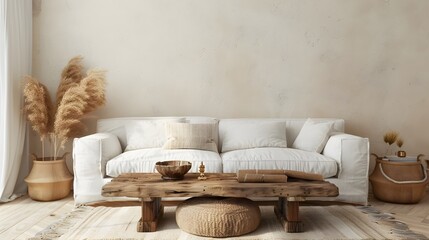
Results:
<point x="15" y="62"/>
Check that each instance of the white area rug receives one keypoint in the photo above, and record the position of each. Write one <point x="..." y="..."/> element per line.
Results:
<point x="320" y="222"/>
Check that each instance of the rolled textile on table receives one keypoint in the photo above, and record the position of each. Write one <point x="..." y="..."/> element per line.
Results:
<point x="289" y="173"/>
<point x="262" y="178"/>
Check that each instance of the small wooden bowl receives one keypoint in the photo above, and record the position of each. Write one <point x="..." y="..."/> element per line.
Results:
<point x="173" y="170"/>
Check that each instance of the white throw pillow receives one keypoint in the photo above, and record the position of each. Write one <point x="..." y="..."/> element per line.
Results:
<point x="147" y="133"/>
<point x="244" y="135"/>
<point x="313" y="136"/>
<point x="202" y="136"/>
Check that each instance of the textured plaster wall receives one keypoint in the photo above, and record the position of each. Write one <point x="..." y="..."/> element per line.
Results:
<point x="364" y="61"/>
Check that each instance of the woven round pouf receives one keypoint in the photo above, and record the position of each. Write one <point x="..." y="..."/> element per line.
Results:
<point x="218" y="217"/>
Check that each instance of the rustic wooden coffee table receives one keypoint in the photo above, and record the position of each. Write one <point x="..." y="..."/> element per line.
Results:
<point x="150" y="188"/>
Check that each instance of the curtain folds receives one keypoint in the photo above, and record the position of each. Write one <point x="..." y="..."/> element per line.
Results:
<point x="15" y="62"/>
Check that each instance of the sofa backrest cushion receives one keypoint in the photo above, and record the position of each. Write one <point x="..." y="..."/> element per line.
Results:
<point x="293" y="126"/>
<point x="116" y="126"/>
<point x="313" y="136"/>
<point x="202" y="136"/>
<point x="240" y="134"/>
<point x="148" y="133"/>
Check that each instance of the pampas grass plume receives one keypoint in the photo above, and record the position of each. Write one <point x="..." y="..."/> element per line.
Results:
<point x="38" y="106"/>
<point x="399" y="142"/>
<point x="390" y="137"/>
<point x="77" y="101"/>
<point x="72" y="74"/>
<point x="69" y="112"/>
<point x="76" y="96"/>
<point x="94" y="84"/>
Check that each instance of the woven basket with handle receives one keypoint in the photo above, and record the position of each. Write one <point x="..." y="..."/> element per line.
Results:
<point x="399" y="182"/>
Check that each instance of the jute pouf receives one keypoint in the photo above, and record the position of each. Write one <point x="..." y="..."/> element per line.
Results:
<point x="218" y="217"/>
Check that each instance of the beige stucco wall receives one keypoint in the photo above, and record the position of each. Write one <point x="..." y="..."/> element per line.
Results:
<point x="365" y="61"/>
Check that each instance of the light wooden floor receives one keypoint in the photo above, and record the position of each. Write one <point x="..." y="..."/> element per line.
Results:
<point x="23" y="218"/>
<point x="415" y="215"/>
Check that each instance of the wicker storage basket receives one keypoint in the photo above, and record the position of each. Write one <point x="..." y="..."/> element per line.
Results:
<point x="399" y="182"/>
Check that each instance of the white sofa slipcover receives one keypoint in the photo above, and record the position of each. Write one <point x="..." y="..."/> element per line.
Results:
<point x="100" y="156"/>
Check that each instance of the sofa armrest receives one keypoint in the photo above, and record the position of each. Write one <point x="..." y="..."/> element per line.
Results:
<point x="90" y="155"/>
<point x="352" y="154"/>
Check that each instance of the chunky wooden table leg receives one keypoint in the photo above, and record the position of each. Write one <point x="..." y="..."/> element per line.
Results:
<point x="152" y="211"/>
<point x="292" y="216"/>
<point x="287" y="211"/>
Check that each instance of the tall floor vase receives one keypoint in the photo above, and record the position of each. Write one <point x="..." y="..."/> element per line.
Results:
<point x="49" y="180"/>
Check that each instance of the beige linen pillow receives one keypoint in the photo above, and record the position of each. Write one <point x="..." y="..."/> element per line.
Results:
<point x="191" y="136"/>
<point x="147" y="133"/>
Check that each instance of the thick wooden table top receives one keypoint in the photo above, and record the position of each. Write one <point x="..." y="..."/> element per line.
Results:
<point x="144" y="185"/>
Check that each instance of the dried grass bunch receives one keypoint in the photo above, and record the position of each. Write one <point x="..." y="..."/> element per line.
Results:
<point x="399" y="142"/>
<point x="392" y="137"/>
<point x="76" y="96"/>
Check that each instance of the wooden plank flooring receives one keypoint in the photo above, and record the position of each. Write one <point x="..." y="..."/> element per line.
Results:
<point x="415" y="215"/>
<point x="23" y="218"/>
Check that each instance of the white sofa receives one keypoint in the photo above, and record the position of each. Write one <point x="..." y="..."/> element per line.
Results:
<point x="344" y="160"/>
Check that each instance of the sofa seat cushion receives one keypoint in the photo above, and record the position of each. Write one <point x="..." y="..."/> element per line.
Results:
<point x="143" y="160"/>
<point x="279" y="158"/>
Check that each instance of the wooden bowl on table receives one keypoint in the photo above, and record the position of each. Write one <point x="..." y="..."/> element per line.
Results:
<point x="173" y="170"/>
